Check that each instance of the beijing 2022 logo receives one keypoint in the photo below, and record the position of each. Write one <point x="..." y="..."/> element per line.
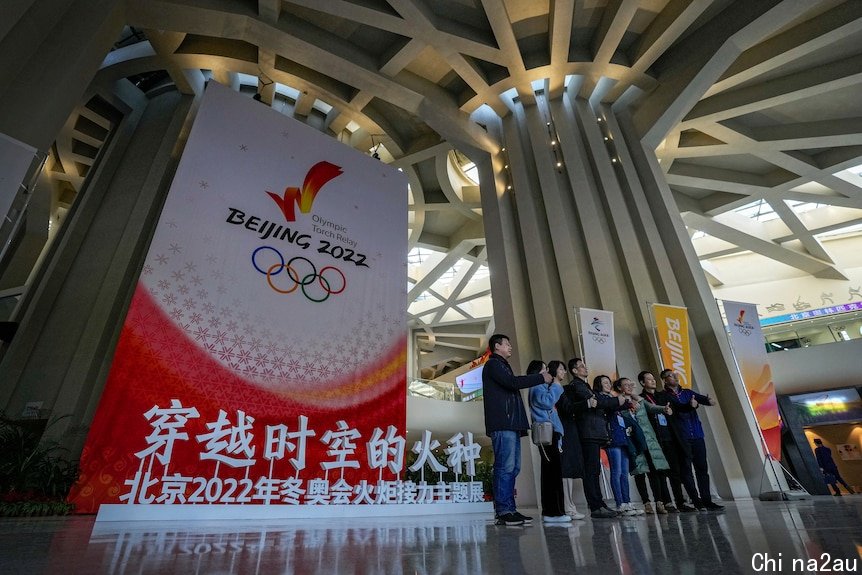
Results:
<point x="299" y="273"/>
<point x="597" y="326"/>
<point x="317" y="176"/>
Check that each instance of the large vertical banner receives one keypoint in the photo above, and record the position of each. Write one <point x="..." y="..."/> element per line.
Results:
<point x="674" y="345"/>
<point x="597" y="329"/>
<point x="262" y="360"/>
<point x="747" y="340"/>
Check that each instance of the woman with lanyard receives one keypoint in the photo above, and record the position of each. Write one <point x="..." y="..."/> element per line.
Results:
<point x="651" y="462"/>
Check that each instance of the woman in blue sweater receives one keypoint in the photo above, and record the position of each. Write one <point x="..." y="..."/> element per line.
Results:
<point x="543" y="399"/>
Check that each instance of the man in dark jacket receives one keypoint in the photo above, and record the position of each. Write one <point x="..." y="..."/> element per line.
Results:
<point x="589" y="413"/>
<point x="686" y="422"/>
<point x="675" y="450"/>
<point x="506" y="423"/>
<point x="829" y="468"/>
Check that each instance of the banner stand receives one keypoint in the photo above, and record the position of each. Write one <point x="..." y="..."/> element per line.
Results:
<point x="578" y="333"/>
<point x="786" y="490"/>
<point x="651" y="314"/>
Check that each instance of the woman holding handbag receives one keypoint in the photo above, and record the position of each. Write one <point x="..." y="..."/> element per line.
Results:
<point x="543" y="399"/>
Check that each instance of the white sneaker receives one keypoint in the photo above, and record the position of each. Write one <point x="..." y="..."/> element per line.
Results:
<point x="556" y="519"/>
<point x="637" y="510"/>
<point x="577" y="516"/>
<point x="627" y="510"/>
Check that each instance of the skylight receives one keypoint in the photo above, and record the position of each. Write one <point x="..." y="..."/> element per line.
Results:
<point x="481" y="273"/>
<point x="417" y="256"/>
<point x="422" y="296"/>
<point x="471" y="171"/>
<point x="840" y="231"/>
<point x="761" y="211"/>
<point x="450" y="274"/>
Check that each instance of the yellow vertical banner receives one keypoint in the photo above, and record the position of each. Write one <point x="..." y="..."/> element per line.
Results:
<point x="672" y="331"/>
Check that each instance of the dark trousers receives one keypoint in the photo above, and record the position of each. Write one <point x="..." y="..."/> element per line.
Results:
<point x="592" y="473"/>
<point x="701" y="469"/>
<point x="552" y="479"/>
<point x="679" y="472"/>
<point x="833" y="478"/>
<point x="656" y="482"/>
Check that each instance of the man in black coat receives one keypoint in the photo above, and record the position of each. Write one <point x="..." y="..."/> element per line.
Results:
<point x="692" y="447"/>
<point x="675" y="450"/>
<point x="829" y="468"/>
<point x="506" y="423"/>
<point x="589" y="413"/>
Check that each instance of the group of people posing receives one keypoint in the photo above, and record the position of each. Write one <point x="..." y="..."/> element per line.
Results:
<point x="655" y="435"/>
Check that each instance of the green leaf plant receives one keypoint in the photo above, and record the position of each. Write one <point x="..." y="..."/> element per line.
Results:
<point x="35" y="474"/>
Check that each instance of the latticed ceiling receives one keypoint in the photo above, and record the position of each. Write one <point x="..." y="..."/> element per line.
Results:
<point x="413" y="79"/>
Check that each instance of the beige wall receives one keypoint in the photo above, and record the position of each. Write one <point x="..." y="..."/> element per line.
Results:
<point x="817" y="368"/>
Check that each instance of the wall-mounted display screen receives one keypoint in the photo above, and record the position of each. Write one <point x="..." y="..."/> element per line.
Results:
<point x="823" y="407"/>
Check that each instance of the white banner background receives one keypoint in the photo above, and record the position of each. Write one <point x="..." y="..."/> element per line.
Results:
<point x="597" y="329"/>
<point x="347" y="215"/>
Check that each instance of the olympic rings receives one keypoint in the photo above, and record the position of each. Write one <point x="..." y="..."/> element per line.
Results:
<point x="294" y="275"/>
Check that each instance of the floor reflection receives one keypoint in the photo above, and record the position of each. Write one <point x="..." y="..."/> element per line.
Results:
<point x="686" y="543"/>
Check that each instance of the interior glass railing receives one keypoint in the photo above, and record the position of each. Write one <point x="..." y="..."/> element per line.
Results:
<point x="443" y="391"/>
<point x="813" y="330"/>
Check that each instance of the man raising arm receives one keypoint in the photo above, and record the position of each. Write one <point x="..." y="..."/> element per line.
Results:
<point x="505" y="423"/>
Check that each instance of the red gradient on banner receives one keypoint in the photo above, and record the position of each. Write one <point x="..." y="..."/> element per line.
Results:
<point x="156" y="362"/>
<point x="765" y="406"/>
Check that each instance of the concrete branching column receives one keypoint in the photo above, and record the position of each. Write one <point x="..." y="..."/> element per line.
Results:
<point x="578" y="215"/>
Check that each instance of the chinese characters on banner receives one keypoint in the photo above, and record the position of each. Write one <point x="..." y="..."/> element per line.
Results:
<point x="267" y="329"/>
<point x="809" y="314"/>
<point x="233" y="441"/>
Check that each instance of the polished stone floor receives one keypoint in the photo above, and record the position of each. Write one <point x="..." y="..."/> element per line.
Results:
<point x="740" y="540"/>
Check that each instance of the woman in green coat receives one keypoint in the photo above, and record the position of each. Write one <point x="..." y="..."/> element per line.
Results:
<point x="651" y="462"/>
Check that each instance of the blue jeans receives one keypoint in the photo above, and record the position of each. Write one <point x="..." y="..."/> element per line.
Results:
<point x="507" y="464"/>
<point x="618" y="457"/>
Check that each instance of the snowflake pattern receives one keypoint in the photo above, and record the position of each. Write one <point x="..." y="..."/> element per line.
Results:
<point x="230" y="334"/>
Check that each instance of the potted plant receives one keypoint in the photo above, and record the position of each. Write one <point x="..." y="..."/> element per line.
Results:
<point x="35" y="475"/>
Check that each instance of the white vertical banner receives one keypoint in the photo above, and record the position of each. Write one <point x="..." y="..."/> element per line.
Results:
<point x="746" y="338"/>
<point x="597" y="328"/>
